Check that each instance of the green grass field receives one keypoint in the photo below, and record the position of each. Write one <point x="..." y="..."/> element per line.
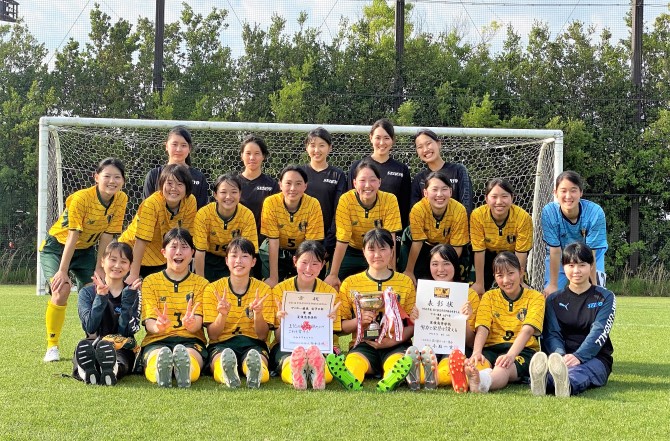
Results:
<point x="39" y="403"/>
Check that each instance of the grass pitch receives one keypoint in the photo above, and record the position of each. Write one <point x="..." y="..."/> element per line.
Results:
<point x="39" y="403"/>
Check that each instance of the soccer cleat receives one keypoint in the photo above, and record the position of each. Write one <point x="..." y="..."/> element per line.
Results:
<point x="181" y="361"/>
<point x="231" y="376"/>
<point x="414" y="376"/>
<point x="254" y="365"/>
<point x="105" y="355"/>
<point x="429" y="361"/>
<point x="316" y="368"/>
<point x="559" y="372"/>
<point x="52" y="354"/>
<point x="164" y="367"/>
<point x="341" y="373"/>
<point x="397" y="374"/>
<point x="538" y="374"/>
<point x="459" y="380"/>
<point x="299" y="368"/>
<point x="84" y="356"/>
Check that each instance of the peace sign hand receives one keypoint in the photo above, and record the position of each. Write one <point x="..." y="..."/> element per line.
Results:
<point x="223" y="305"/>
<point x="281" y="313"/>
<point x="257" y="304"/>
<point x="189" y="317"/>
<point x="333" y="312"/>
<point x="162" y="319"/>
<point x="101" y="287"/>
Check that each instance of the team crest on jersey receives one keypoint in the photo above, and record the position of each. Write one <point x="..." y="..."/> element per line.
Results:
<point x="511" y="238"/>
<point x="521" y="315"/>
<point x="354" y="223"/>
<point x="280" y="226"/>
<point x="189" y="296"/>
<point x="446" y="232"/>
<point x="236" y="233"/>
<point x="162" y="299"/>
<point x="249" y="313"/>
<point x="212" y="233"/>
<point x="496" y="314"/>
<point x="302" y="226"/>
<point x="109" y="218"/>
<point x="90" y="221"/>
<point x="379" y="223"/>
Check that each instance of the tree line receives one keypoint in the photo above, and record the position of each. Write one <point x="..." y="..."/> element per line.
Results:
<point x="578" y="81"/>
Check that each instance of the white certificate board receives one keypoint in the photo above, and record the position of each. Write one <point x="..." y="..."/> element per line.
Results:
<point x="307" y="322"/>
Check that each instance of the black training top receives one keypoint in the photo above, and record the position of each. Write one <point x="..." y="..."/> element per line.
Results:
<point x="460" y="183"/>
<point x="254" y="193"/>
<point x="326" y="186"/>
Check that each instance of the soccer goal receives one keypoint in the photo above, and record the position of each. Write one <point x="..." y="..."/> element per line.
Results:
<point x="70" y="148"/>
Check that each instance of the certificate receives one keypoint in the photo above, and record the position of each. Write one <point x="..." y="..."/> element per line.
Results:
<point x="307" y="322"/>
<point x="440" y="324"/>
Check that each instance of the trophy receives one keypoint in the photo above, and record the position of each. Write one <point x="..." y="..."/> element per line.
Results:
<point x="369" y="301"/>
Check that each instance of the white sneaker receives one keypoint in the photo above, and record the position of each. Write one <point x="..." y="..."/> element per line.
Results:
<point x="538" y="374"/>
<point x="559" y="372"/>
<point x="52" y="354"/>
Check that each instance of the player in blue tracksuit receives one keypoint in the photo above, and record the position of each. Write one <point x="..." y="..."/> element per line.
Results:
<point x="577" y="324"/>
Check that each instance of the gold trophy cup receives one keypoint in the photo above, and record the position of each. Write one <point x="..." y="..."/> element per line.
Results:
<point x="371" y="301"/>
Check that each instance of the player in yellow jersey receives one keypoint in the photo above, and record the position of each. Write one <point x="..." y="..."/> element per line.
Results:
<point x="92" y="217"/>
<point x="218" y="223"/>
<point x="303" y="365"/>
<point x="359" y="211"/>
<point x="288" y="218"/>
<point x="498" y="226"/>
<point x="173" y="206"/>
<point x="369" y="357"/>
<point x="435" y="219"/>
<point x="172" y="314"/>
<point x="443" y="267"/>
<point x="509" y="322"/>
<point x="239" y="314"/>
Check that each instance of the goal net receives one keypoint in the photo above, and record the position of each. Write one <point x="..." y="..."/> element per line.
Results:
<point x="70" y="149"/>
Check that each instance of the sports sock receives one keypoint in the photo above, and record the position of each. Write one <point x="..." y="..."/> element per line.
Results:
<point x="485" y="380"/>
<point x="443" y="373"/>
<point x="55" y="318"/>
<point x="328" y="377"/>
<point x="265" y="372"/>
<point x="217" y="371"/>
<point x="390" y="361"/>
<point x="150" y="368"/>
<point x="195" y="369"/>
<point x="286" y="371"/>
<point x="357" y="365"/>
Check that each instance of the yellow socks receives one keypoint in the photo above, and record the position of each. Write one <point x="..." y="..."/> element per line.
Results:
<point x="195" y="368"/>
<point x="390" y="361"/>
<point x="217" y="371"/>
<point x="265" y="372"/>
<point x="286" y="371"/>
<point x="55" y="318"/>
<point x="357" y="365"/>
<point x="443" y="373"/>
<point x="150" y="368"/>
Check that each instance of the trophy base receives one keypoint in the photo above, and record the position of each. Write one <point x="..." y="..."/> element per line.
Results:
<point x="371" y="334"/>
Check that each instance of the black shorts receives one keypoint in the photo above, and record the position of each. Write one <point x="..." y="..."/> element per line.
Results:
<point x="521" y="362"/>
<point x="241" y="345"/>
<point x="377" y="357"/>
<point x="277" y="357"/>
<point x="215" y="267"/>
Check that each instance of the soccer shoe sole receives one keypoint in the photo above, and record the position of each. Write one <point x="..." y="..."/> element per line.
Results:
<point x="164" y="367"/>
<point x="298" y="363"/>
<point x="341" y="373"/>
<point x="414" y="375"/>
<point x="182" y="366"/>
<point x="459" y="381"/>
<point x="538" y="374"/>
<point x="429" y="361"/>
<point x="559" y="372"/>
<point x="105" y="354"/>
<point x="85" y="356"/>
<point x="398" y="373"/>
<point x="228" y="361"/>
<point x="254" y="363"/>
<point x="316" y="367"/>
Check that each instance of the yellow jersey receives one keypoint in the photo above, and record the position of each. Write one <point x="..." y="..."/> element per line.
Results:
<point x="353" y="220"/>
<point x="515" y="234"/>
<point x="212" y="233"/>
<point x="292" y="229"/>
<point x="451" y="228"/>
<point x="153" y="220"/>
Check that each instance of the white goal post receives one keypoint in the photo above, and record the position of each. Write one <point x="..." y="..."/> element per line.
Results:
<point x="70" y="148"/>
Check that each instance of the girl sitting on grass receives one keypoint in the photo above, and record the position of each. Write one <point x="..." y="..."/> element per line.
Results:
<point x="303" y="365"/>
<point x="450" y="370"/>
<point x="172" y="315"/>
<point x="109" y="311"/>
<point x="509" y="322"/>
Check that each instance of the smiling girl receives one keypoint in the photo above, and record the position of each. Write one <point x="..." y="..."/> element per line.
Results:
<point x="91" y="217"/>
<point x="216" y="224"/>
<point x="572" y="219"/>
<point x="178" y="146"/>
<point x="172" y="206"/>
<point x="498" y="226"/>
<point x="109" y="312"/>
<point x="288" y="219"/>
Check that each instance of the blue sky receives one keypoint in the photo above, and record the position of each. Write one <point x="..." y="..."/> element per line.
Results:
<point x="52" y="21"/>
